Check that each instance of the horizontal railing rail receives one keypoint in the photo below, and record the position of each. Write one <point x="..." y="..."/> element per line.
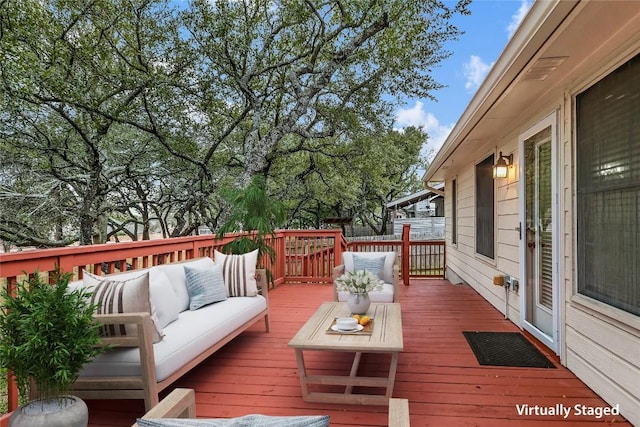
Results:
<point x="303" y="256"/>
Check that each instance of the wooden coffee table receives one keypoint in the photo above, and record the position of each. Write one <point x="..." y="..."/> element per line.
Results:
<point x="385" y="336"/>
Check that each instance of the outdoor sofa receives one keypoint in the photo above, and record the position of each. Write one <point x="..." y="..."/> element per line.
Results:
<point x="166" y="322"/>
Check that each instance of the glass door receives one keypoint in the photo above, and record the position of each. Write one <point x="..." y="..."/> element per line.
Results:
<point x="539" y="239"/>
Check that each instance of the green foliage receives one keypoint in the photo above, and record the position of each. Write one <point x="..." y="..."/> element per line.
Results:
<point x="119" y="114"/>
<point x="353" y="178"/>
<point x="253" y="211"/>
<point x="47" y="333"/>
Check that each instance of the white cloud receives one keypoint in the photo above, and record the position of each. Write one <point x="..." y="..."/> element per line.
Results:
<point x="475" y="71"/>
<point x="517" y="17"/>
<point x="417" y="117"/>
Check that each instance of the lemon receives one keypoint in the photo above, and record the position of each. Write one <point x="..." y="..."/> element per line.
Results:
<point x="356" y="316"/>
<point x="364" y="320"/>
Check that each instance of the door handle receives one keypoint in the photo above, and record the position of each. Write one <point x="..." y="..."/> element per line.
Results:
<point x="519" y="230"/>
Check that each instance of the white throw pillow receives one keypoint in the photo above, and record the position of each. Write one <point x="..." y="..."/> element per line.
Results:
<point x="239" y="273"/>
<point x="126" y="296"/>
<point x="163" y="297"/>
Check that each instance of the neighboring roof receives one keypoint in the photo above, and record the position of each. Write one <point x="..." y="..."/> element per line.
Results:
<point x="557" y="43"/>
<point x="417" y="197"/>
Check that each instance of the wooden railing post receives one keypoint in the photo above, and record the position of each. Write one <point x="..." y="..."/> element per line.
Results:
<point x="406" y="250"/>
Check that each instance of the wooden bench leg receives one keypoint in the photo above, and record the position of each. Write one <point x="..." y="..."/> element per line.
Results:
<point x="398" y="412"/>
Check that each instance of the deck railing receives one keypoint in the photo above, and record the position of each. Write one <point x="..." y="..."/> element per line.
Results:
<point x="304" y="256"/>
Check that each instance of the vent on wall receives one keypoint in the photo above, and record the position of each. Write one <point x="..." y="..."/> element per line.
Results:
<point x="541" y="69"/>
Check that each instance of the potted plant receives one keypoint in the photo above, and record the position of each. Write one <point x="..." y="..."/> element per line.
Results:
<point x="358" y="283"/>
<point x="47" y="334"/>
<point x="253" y="211"/>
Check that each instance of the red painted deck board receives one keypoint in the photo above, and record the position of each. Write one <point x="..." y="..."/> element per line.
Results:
<point x="437" y="372"/>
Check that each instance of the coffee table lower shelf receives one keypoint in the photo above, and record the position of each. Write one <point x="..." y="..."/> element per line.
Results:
<point x="350" y="381"/>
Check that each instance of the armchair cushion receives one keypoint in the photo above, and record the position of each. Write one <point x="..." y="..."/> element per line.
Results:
<point x="385" y="295"/>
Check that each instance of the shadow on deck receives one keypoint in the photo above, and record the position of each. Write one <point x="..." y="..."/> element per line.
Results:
<point x="437" y="372"/>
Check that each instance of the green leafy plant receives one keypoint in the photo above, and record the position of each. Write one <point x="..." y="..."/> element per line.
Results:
<point x="47" y="334"/>
<point x="257" y="214"/>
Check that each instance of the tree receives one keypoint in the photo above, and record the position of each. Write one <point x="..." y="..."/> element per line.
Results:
<point x="312" y="69"/>
<point x="82" y="82"/>
<point x="347" y="179"/>
<point x="124" y="113"/>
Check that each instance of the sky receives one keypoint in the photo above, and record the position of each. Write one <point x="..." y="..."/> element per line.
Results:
<point x="487" y="31"/>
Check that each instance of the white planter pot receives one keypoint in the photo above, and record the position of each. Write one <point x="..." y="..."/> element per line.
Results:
<point x="67" y="411"/>
<point x="358" y="303"/>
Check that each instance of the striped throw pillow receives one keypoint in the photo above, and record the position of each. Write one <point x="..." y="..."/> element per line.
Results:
<point x="117" y="297"/>
<point x="205" y="286"/>
<point x="239" y="272"/>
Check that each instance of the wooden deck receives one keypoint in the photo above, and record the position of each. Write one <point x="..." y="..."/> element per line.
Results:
<point x="437" y="372"/>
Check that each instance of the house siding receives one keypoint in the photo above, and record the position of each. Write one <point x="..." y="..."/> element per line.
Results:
<point x="599" y="343"/>
<point x="603" y="352"/>
<point x="462" y="260"/>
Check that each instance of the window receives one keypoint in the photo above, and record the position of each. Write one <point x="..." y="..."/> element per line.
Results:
<point x="485" y="215"/>
<point x="608" y="189"/>
<point x="454" y="212"/>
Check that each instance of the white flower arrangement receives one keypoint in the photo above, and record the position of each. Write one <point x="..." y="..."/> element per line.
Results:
<point x="359" y="282"/>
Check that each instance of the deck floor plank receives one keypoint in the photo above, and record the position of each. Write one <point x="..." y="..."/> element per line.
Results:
<point x="437" y="372"/>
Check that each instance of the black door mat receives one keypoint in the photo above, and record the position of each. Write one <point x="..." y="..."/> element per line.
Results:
<point x="506" y="349"/>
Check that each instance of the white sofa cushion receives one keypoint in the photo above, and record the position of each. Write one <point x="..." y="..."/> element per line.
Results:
<point x="387" y="272"/>
<point x="175" y="273"/>
<point x="189" y="336"/>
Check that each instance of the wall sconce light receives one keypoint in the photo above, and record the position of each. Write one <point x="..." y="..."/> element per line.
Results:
<point x="501" y="168"/>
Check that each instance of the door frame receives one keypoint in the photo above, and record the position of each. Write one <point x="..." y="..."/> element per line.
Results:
<point x="553" y="341"/>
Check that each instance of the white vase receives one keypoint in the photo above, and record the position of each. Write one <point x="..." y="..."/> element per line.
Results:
<point x="358" y="303"/>
<point x="49" y="413"/>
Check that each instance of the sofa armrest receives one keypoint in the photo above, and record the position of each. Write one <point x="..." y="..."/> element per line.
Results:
<point x="398" y="412"/>
<point x="143" y="340"/>
<point x="180" y="403"/>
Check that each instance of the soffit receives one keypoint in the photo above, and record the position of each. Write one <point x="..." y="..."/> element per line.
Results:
<point x="581" y="37"/>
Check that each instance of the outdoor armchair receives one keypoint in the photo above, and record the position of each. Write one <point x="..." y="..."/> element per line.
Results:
<point x="386" y="268"/>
